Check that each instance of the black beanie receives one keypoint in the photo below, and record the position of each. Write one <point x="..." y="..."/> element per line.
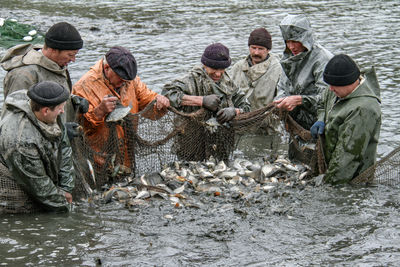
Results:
<point x="122" y="62"/>
<point x="216" y="56"/>
<point x="48" y="93"/>
<point x="260" y="37"/>
<point x="63" y="36"/>
<point x="341" y="70"/>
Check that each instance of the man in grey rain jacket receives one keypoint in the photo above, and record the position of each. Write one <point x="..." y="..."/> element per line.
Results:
<point x="350" y="117"/>
<point x="27" y="65"/>
<point x="301" y="85"/>
<point x="258" y="73"/>
<point x="35" y="147"/>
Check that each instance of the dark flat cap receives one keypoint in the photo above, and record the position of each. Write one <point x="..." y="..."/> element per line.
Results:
<point x="122" y="62"/>
<point x="63" y="36"/>
<point x="48" y="93"/>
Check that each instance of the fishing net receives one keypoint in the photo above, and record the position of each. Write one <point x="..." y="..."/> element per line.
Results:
<point x="140" y="144"/>
<point x="13" y="33"/>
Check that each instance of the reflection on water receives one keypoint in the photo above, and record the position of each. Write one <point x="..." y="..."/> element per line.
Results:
<point x="343" y="225"/>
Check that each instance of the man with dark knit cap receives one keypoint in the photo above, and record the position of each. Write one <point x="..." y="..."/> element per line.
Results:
<point x="258" y="73"/>
<point x="27" y="65"/>
<point x="35" y="147"/>
<point x="110" y="82"/>
<point x="350" y="118"/>
<point x="209" y="86"/>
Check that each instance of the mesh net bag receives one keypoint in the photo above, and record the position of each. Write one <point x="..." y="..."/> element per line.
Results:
<point x="13" y="33"/>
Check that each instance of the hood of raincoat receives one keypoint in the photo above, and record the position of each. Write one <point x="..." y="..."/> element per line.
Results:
<point x="27" y="54"/>
<point x="297" y="28"/>
<point x="19" y="102"/>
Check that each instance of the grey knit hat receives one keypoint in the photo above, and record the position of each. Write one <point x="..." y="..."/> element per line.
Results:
<point x="48" y="93"/>
<point x="216" y="56"/>
<point x="63" y="36"/>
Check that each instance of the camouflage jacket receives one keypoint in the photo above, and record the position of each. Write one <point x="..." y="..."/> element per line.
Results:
<point x="352" y="129"/>
<point x="302" y="73"/>
<point x="37" y="155"/>
<point x="26" y="65"/>
<point x="258" y="82"/>
<point x="198" y="83"/>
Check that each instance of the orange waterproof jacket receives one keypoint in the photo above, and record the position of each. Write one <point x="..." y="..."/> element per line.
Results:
<point x="94" y="86"/>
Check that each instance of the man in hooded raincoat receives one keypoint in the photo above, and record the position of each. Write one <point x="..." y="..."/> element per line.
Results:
<point x="301" y="85"/>
<point x="27" y="64"/>
<point x="35" y="147"/>
<point x="350" y="117"/>
<point x="258" y="73"/>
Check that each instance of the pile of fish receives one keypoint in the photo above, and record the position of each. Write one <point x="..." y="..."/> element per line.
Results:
<point x="180" y="182"/>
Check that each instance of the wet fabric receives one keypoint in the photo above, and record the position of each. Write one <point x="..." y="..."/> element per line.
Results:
<point x="302" y="73"/>
<point x="258" y="82"/>
<point x="26" y="65"/>
<point x="198" y="83"/>
<point x="352" y="130"/>
<point x="94" y="86"/>
<point x="38" y="156"/>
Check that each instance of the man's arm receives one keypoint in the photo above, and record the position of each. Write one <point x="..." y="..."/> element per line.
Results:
<point x="67" y="172"/>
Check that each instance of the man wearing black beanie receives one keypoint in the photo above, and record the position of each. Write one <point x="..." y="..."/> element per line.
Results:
<point x="350" y="119"/>
<point x="35" y="147"/>
<point x="258" y="73"/>
<point x="27" y="65"/>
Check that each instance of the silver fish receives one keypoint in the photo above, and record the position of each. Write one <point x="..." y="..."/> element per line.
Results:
<point x="119" y="113"/>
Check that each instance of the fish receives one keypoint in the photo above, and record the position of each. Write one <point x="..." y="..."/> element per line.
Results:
<point x="91" y="170"/>
<point x="212" y="125"/>
<point x="119" y="113"/>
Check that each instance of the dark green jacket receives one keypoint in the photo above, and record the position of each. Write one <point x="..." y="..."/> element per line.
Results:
<point x="352" y="130"/>
<point x="38" y="156"/>
<point x="302" y="74"/>
<point x="198" y="83"/>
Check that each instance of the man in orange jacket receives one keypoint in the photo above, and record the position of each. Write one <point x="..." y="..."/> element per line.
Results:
<point x="111" y="80"/>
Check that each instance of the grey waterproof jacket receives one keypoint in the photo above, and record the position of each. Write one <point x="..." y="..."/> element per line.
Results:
<point x="259" y="81"/>
<point x="38" y="156"/>
<point x="302" y="73"/>
<point x="26" y="65"/>
<point x="198" y="83"/>
<point x="352" y="129"/>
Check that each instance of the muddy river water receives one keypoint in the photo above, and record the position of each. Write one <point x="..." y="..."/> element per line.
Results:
<point x="344" y="225"/>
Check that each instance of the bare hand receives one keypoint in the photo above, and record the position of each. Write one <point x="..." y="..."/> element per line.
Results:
<point x="68" y="196"/>
<point x="107" y="105"/>
<point x="289" y="103"/>
<point x="162" y="102"/>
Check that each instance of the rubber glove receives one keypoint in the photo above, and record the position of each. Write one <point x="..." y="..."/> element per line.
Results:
<point x="72" y="130"/>
<point x="317" y="129"/>
<point x="211" y="102"/>
<point x="226" y="114"/>
<point x="81" y="103"/>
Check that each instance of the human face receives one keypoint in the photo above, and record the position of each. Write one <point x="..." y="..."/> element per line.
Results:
<point x="295" y="47"/>
<point x="50" y="116"/>
<point x="258" y="53"/>
<point x="343" y="91"/>
<point x="215" y="74"/>
<point x="115" y="80"/>
<point x="64" y="57"/>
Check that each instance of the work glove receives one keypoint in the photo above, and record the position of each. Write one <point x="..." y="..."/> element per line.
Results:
<point x="317" y="129"/>
<point x="81" y="103"/>
<point x="72" y="130"/>
<point x="211" y="102"/>
<point x="226" y="114"/>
